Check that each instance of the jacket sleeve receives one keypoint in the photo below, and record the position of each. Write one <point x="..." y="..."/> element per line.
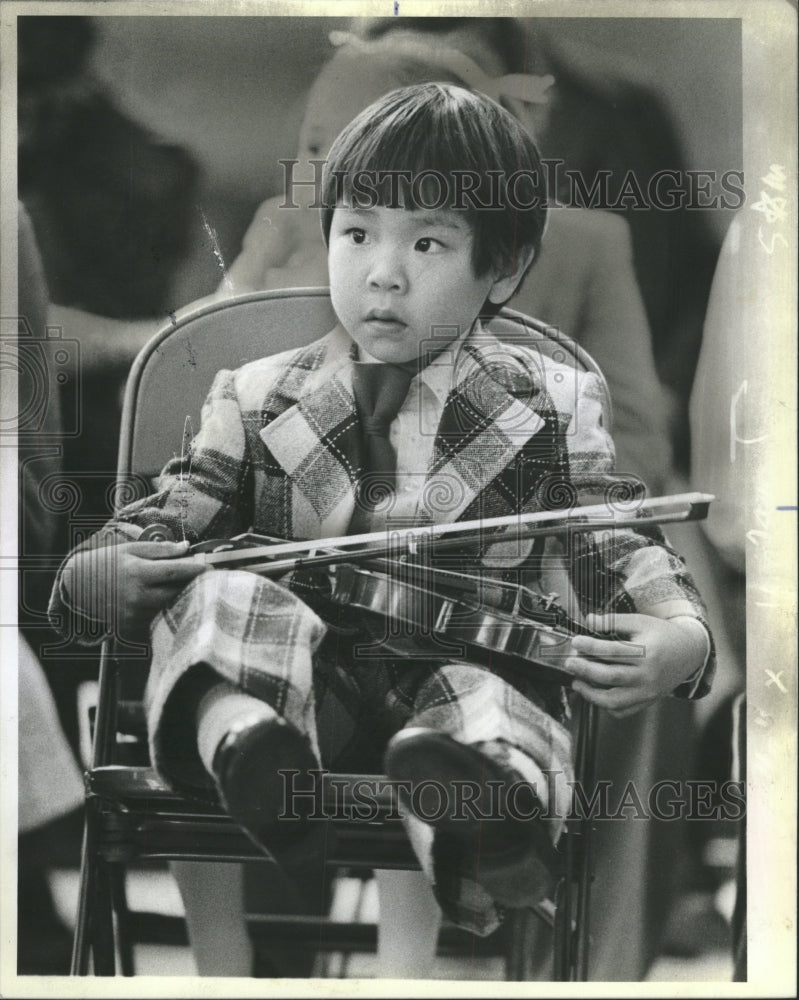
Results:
<point x="625" y="570"/>
<point x="620" y="570"/>
<point x="205" y="493"/>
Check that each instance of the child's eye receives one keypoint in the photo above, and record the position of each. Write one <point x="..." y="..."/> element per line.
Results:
<point x="426" y="244"/>
<point x="356" y="235"/>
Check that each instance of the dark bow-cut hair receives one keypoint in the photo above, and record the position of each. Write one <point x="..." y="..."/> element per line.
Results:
<point x="437" y="145"/>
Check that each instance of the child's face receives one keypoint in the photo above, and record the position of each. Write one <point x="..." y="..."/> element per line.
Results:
<point x="398" y="278"/>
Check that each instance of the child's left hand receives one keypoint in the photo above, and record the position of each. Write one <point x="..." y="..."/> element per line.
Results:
<point x="655" y="656"/>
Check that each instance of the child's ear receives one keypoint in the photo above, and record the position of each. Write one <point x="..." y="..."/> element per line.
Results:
<point x="505" y="285"/>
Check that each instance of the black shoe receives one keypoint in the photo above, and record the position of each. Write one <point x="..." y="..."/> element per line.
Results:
<point x="514" y="857"/>
<point x="247" y="767"/>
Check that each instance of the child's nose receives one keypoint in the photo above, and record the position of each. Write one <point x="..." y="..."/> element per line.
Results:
<point x="387" y="271"/>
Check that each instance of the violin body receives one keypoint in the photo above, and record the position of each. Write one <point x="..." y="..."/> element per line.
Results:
<point x="409" y="619"/>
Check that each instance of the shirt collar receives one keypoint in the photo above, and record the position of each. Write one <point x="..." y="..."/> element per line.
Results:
<point x="440" y="375"/>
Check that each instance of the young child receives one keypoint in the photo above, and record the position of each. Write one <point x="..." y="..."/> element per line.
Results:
<point x="244" y="682"/>
<point x="584" y="283"/>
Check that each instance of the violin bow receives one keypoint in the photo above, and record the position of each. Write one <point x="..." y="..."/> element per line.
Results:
<point x="274" y="560"/>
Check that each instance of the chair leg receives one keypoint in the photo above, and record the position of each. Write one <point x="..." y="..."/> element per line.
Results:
<point x="94" y="927"/>
<point x="583" y="870"/>
<point x="582" y="928"/>
<point x="124" y="934"/>
<point x="80" y="946"/>
<point x="570" y="920"/>
<point x="528" y="945"/>
<point x="563" y="946"/>
<point x="572" y="909"/>
<point x="102" y="923"/>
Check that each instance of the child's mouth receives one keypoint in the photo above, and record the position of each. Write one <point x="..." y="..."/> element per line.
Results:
<point x="383" y="320"/>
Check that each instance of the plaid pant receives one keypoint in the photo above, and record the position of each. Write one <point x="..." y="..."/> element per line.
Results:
<point x="260" y="637"/>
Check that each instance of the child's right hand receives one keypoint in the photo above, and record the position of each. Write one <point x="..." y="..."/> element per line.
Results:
<point x="125" y="586"/>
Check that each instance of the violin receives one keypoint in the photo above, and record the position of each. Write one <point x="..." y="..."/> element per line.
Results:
<point x="385" y="586"/>
<point x="412" y="610"/>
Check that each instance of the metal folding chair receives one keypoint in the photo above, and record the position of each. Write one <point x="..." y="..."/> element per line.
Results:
<point x="130" y="815"/>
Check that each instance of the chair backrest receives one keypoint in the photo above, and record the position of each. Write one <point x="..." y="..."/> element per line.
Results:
<point x="173" y="373"/>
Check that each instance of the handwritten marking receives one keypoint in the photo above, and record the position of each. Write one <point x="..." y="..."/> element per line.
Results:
<point x="763" y="718"/>
<point x="734" y="436"/>
<point x="776" y="679"/>
<point x="772" y="208"/>
<point x="770" y="248"/>
<point x="761" y="516"/>
<point x="775" y="177"/>
<point x="788" y="508"/>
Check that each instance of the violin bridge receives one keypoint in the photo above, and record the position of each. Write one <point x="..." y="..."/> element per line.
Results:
<point x="548" y="600"/>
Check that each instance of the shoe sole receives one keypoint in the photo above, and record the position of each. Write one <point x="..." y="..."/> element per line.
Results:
<point x="414" y="755"/>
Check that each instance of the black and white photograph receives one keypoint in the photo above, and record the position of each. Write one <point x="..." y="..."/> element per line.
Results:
<point x="398" y="498"/>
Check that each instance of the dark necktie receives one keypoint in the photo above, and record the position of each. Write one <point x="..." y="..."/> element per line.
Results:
<point x="380" y="391"/>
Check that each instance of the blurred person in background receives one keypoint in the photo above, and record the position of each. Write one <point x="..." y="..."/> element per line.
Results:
<point x="111" y="204"/>
<point x="109" y="207"/>
<point x="50" y="788"/>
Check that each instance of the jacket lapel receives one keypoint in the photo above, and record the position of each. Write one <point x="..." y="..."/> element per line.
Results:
<point x="488" y="417"/>
<point x="318" y="444"/>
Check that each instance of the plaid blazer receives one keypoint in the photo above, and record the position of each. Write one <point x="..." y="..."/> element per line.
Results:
<point x="279" y="453"/>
